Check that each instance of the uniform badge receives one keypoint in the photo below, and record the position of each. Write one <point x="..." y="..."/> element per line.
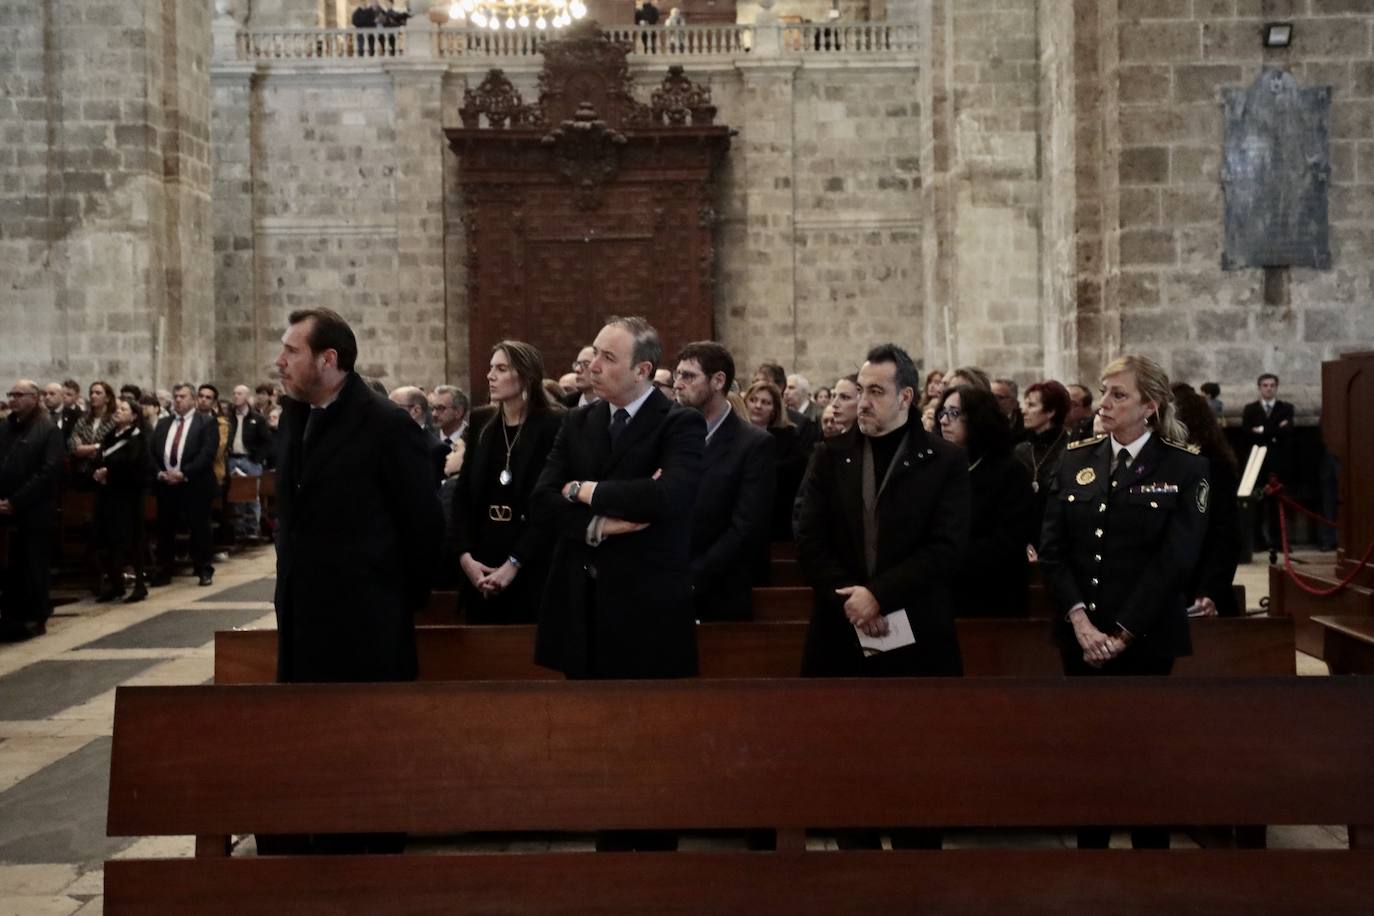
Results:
<point x="1204" y="490"/>
<point x="1086" y="476"/>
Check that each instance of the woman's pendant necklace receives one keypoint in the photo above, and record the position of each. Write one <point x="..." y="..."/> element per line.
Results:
<point x="1035" y="486"/>
<point x="505" y="477"/>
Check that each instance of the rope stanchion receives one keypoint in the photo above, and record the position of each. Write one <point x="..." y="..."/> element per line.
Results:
<point x="1275" y="489"/>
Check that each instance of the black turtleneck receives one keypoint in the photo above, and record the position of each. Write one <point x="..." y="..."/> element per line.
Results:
<point x="884" y="448"/>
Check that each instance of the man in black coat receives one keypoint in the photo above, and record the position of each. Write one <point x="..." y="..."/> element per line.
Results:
<point x="182" y="453"/>
<point x="884" y="520"/>
<point x="249" y="445"/>
<point x="31" y="454"/>
<point x="618" y="488"/>
<point x="583" y="394"/>
<point x="358" y="523"/>
<point x="1268" y="422"/>
<point x="730" y="521"/>
<point x="63" y="414"/>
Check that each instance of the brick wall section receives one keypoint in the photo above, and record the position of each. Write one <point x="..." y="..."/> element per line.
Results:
<point x="1176" y="302"/>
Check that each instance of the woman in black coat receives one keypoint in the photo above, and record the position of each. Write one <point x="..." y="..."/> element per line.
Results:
<point x="503" y="557"/>
<point x="993" y="572"/>
<point x="121" y="479"/>
<point x="1212" y="593"/>
<point x="1044" y="408"/>
<point x="767" y="411"/>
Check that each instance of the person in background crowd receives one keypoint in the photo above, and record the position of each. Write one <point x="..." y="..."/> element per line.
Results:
<point x="767" y="411"/>
<point x="934" y="386"/>
<point x="83" y="444"/>
<point x="1211" y="592"/>
<point x="732" y="515"/>
<point x="264" y="398"/>
<point x="248" y="442"/>
<point x="121" y="479"/>
<point x="830" y="427"/>
<point x="503" y="557"/>
<point x="568" y="382"/>
<point x="1008" y="401"/>
<point x="1212" y="392"/>
<point x="182" y="452"/>
<point x="1079" y="421"/>
<point x="846" y="401"/>
<point x="1268" y="423"/>
<point x="71" y="396"/>
<point x="663" y="381"/>
<point x="582" y="380"/>
<point x="797" y="397"/>
<point x="413" y="401"/>
<point x="164" y="400"/>
<point x="1046" y="406"/>
<point x="449" y="406"/>
<point x="928" y="419"/>
<point x="1124" y="528"/>
<point x="130" y="391"/>
<point x="64" y="416"/>
<point x="993" y="571"/>
<point x="971" y="376"/>
<point x="31" y="454"/>
<point x="151" y="410"/>
<point x="822" y="398"/>
<point x="208" y="404"/>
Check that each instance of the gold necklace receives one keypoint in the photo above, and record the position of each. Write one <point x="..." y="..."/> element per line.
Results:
<point x="1035" y="473"/>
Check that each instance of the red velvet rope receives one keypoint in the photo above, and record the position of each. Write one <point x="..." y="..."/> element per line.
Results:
<point x="1275" y="488"/>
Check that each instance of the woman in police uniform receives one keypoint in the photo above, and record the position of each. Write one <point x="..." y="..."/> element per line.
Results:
<point x="1123" y="529"/>
<point x="504" y="559"/>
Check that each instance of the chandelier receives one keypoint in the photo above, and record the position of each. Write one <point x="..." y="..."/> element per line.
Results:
<point x="492" y="14"/>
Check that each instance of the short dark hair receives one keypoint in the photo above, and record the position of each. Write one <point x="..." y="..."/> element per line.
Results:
<point x="712" y="357"/>
<point x="647" y="347"/>
<point x="1211" y="389"/>
<point x="72" y="384"/>
<point x="180" y="385"/>
<point x="1087" y="399"/>
<point x="265" y="388"/>
<point x="329" y="332"/>
<point x="987" y="432"/>
<point x="212" y="388"/>
<point x="131" y="390"/>
<point x="907" y="376"/>
<point x="1054" y="399"/>
<point x="775" y="373"/>
<point x="1260" y="380"/>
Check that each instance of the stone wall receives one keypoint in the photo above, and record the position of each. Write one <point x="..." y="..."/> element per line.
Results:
<point x="104" y="201"/>
<point x="1175" y="301"/>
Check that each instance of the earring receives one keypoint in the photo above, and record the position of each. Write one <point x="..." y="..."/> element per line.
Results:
<point x="524" y="395"/>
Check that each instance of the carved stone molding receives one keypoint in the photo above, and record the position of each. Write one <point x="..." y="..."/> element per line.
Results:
<point x="679" y="100"/>
<point x="499" y="100"/>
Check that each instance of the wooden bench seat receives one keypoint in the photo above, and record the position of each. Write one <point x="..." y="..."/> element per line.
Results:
<point x="449" y="758"/>
<point x="1348" y="644"/>
<point x="1235" y="647"/>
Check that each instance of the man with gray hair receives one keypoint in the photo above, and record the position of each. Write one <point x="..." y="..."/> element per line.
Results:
<point x="797" y="396"/>
<point x="31" y="453"/>
<point x="1009" y="402"/>
<point x="449" y="407"/>
<point x="414" y="402"/>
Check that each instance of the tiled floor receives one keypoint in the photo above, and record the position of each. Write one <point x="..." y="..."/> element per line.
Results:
<point x="57" y="704"/>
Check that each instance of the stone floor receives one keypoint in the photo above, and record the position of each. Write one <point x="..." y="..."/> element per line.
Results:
<point x="57" y="704"/>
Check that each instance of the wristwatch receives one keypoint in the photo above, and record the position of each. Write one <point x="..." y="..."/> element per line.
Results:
<point x="572" y="491"/>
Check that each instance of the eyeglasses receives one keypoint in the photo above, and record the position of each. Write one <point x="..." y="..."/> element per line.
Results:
<point x="581" y="364"/>
<point x="22" y="394"/>
<point x="948" y="413"/>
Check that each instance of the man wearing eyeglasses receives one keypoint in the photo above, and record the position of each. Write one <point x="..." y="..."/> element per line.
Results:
<point x="31" y="453"/>
<point x="583" y="395"/>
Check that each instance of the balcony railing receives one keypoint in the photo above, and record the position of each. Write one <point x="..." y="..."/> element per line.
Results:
<point x="651" y="42"/>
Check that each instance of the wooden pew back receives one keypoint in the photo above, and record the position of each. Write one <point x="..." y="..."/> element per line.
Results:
<point x="1237" y="647"/>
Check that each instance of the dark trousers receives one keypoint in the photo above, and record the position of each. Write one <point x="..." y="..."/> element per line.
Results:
<point x="1127" y="664"/>
<point x="330" y="844"/>
<point x="183" y="505"/>
<point x="27" y="580"/>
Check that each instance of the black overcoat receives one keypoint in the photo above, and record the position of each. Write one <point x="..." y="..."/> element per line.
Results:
<point x="1127" y="553"/>
<point x="923" y="529"/>
<point x="358" y="535"/>
<point x="622" y="609"/>
<point x="994" y="574"/>
<point x="119" y="502"/>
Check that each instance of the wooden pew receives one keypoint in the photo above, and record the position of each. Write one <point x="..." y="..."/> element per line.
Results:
<point x="1348" y="644"/>
<point x="1231" y="647"/>
<point x="581" y="756"/>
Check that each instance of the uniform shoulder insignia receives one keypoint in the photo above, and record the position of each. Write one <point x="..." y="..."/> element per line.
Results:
<point x="1182" y="446"/>
<point x="1082" y="442"/>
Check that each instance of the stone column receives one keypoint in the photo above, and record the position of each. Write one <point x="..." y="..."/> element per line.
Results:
<point x="242" y="355"/>
<point x="759" y="302"/>
<point x="419" y="328"/>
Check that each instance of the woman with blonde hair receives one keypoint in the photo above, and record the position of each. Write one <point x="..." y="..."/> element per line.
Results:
<point x="767" y="411"/>
<point x="1123" y="530"/>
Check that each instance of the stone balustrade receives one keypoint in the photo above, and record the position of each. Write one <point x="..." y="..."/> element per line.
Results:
<point x="720" y="42"/>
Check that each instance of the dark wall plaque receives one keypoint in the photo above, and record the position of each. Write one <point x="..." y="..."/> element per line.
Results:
<point x="1275" y="171"/>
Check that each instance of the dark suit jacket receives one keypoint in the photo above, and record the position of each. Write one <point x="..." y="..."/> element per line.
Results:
<point x="257" y="435"/>
<point x="30" y="463"/>
<point x="1132" y="563"/>
<point x="358" y="534"/>
<point x="994" y="575"/>
<point x="923" y="528"/>
<point x="1278" y="439"/>
<point x="199" y="445"/>
<point x="66" y="419"/>
<point x="622" y="609"/>
<point x="730" y="521"/>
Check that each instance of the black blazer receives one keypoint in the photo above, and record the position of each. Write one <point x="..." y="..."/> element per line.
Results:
<point x="730" y="522"/>
<point x="622" y="609"/>
<point x="994" y="575"/>
<point x="1216" y="569"/>
<point x="1277" y="438"/>
<point x="923" y="529"/>
<point x="31" y="459"/>
<point x="200" y="444"/>
<point x="1128" y="553"/>
<point x="257" y="435"/>
<point x="358" y="535"/>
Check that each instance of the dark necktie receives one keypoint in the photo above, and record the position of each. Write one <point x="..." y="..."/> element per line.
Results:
<point x="618" y="423"/>
<point x="1123" y="464"/>
<point x="1267" y="407"/>
<point x="176" y="444"/>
